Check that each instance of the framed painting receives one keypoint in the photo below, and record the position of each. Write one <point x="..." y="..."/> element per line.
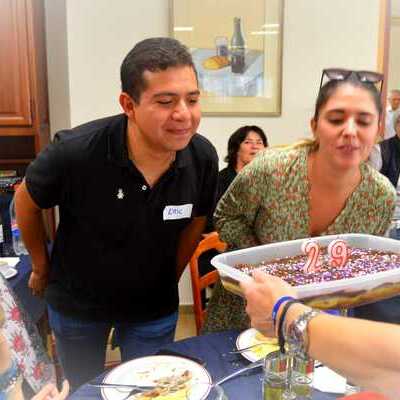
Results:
<point x="237" y="51"/>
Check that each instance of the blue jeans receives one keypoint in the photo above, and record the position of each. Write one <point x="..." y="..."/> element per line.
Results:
<point x="81" y="344"/>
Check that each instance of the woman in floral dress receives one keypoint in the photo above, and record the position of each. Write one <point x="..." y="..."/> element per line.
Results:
<point x="317" y="187"/>
<point x="22" y="355"/>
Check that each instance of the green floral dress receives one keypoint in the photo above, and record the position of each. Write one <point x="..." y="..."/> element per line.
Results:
<point x="268" y="202"/>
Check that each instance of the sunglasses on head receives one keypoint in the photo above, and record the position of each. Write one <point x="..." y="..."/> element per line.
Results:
<point x="339" y="74"/>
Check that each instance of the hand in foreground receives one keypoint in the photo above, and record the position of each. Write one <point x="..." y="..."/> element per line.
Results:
<point x="38" y="283"/>
<point x="50" y="392"/>
<point x="5" y="354"/>
<point x="261" y="295"/>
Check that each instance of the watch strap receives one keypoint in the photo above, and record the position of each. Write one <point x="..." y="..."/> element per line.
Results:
<point x="296" y="335"/>
<point x="281" y="336"/>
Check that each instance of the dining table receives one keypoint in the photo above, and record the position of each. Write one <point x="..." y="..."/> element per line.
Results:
<point x="213" y="350"/>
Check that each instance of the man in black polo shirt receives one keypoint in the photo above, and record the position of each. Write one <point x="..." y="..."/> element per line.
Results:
<point x="133" y="191"/>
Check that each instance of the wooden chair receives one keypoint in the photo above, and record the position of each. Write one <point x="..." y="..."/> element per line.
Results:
<point x="200" y="283"/>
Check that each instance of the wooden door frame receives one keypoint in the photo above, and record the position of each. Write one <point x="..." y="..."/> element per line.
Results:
<point x="383" y="54"/>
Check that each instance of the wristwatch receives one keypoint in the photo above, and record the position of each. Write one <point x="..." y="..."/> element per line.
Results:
<point x="296" y="335"/>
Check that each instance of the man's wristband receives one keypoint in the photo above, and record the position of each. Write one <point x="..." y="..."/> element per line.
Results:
<point x="281" y="336"/>
<point x="277" y="305"/>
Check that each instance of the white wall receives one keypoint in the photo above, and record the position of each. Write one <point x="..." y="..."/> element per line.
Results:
<point x="394" y="52"/>
<point x="57" y="65"/>
<point x="317" y="34"/>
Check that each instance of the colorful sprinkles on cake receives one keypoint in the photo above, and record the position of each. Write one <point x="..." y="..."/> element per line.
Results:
<point x="360" y="262"/>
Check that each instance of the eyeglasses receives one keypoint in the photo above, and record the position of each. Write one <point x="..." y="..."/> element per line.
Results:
<point x="339" y="74"/>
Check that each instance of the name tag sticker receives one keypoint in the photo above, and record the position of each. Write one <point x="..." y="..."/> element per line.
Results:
<point x="177" y="212"/>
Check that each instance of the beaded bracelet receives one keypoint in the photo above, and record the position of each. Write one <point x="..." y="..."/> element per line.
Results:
<point x="281" y="336"/>
<point x="9" y="377"/>
<point x="277" y="305"/>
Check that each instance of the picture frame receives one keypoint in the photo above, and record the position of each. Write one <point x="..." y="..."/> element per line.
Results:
<point x="237" y="51"/>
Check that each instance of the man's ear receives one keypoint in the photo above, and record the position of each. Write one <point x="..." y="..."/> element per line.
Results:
<point x="127" y="104"/>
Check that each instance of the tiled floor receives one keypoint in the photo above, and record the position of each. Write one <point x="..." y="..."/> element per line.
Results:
<point x="186" y="328"/>
<point x="186" y="324"/>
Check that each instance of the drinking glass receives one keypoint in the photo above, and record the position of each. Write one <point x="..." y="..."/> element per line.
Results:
<point x="287" y="377"/>
<point x="302" y="377"/>
<point x="221" y="46"/>
<point x="351" y="388"/>
<point x="217" y="393"/>
<point x="275" y="376"/>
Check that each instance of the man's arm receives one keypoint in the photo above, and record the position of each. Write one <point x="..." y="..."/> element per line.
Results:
<point x="188" y="241"/>
<point x="30" y="223"/>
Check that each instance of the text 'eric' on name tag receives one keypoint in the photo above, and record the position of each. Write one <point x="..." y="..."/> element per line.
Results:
<point x="177" y="212"/>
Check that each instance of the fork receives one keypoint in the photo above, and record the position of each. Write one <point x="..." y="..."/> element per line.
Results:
<point x="253" y="365"/>
<point x="132" y="389"/>
<point x="131" y="393"/>
<point x="251" y="347"/>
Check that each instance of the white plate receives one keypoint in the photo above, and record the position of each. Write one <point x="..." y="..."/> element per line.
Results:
<point x="7" y="271"/>
<point x="11" y="261"/>
<point x="248" y="338"/>
<point x="143" y="371"/>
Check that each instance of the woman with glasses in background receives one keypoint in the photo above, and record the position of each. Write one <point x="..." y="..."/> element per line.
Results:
<point x="243" y="146"/>
<point x="316" y="187"/>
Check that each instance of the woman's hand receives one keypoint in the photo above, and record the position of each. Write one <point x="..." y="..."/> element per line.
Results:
<point x="5" y="354"/>
<point x="261" y="295"/>
<point x="50" y="392"/>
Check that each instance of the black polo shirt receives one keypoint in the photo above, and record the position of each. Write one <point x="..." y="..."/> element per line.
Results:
<point x="114" y="256"/>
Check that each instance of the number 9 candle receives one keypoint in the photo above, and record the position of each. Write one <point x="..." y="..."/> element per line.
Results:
<point x="338" y="252"/>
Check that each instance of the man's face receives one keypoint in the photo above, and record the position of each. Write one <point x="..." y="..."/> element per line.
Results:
<point x="394" y="101"/>
<point x="168" y="113"/>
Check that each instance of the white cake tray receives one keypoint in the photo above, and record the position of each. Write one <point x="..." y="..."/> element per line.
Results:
<point x="344" y="293"/>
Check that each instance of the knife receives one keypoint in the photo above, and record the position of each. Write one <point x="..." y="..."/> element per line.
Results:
<point x="140" y="388"/>
<point x="167" y="352"/>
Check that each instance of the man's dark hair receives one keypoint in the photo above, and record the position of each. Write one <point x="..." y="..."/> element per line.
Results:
<point x="155" y="54"/>
<point x="236" y="140"/>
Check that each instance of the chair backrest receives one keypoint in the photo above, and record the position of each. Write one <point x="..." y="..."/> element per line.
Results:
<point x="199" y="283"/>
